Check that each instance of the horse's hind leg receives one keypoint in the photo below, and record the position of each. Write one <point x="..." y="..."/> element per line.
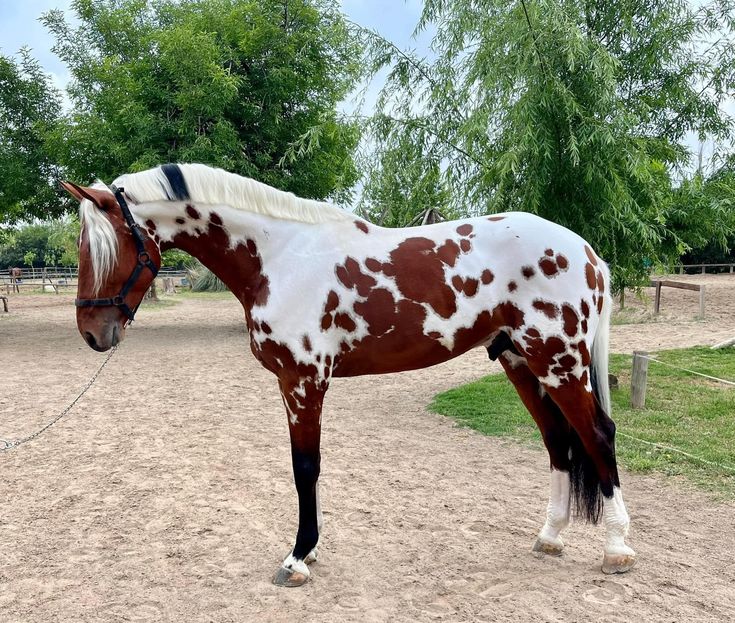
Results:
<point x="594" y="472"/>
<point x="556" y="435"/>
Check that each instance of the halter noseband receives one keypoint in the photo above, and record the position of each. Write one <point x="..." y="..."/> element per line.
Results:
<point x="144" y="261"/>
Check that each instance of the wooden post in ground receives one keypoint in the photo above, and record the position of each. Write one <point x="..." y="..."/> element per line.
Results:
<point x="638" y="379"/>
<point x="168" y="285"/>
<point x="657" y="299"/>
<point x="5" y="303"/>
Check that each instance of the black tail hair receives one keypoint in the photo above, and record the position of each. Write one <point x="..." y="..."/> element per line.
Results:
<point x="585" y="481"/>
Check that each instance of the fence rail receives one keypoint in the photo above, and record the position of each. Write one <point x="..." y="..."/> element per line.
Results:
<point x="702" y="268"/>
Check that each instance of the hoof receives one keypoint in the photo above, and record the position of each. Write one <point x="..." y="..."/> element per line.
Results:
<point x="550" y="549"/>
<point x="289" y="578"/>
<point x="617" y="563"/>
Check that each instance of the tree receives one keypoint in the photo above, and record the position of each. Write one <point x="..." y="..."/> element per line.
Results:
<point x="230" y="83"/>
<point x="29" y="108"/>
<point x="50" y="243"/>
<point x="572" y="110"/>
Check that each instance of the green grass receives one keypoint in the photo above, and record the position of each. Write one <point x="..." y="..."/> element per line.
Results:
<point x="683" y="411"/>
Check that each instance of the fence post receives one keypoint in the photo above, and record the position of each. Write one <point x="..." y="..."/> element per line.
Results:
<point x="704" y="268"/>
<point x="657" y="299"/>
<point x="638" y="379"/>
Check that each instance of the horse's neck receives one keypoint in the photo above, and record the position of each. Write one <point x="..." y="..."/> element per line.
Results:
<point x="231" y="243"/>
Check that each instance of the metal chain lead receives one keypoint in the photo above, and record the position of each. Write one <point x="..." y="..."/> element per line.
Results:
<point x="9" y="445"/>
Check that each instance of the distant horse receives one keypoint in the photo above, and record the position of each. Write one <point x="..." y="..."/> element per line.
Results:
<point x="327" y="294"/>
<point x="15" y="276"/>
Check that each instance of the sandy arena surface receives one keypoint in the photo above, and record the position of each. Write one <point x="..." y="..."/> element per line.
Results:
<point x="167" y="495"/>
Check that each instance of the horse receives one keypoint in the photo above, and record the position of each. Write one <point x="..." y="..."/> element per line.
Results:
<point x="327" y="294"/>
<point x="15" y="276"/>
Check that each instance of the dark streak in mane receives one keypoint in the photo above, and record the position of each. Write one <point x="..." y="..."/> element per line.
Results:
<point x="176" y="180"/>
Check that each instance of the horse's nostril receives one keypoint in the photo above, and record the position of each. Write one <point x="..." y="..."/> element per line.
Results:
<point x="90" y="339"/>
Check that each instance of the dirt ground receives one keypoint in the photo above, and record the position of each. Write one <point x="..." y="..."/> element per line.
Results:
<point x="167" y="495"/>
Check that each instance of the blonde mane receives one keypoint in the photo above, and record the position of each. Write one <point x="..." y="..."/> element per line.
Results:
<point x="207" y="185"/>
<point x="203" y="185"/>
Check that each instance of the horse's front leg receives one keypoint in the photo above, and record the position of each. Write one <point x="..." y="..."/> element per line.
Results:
<point x="303" y="401"/>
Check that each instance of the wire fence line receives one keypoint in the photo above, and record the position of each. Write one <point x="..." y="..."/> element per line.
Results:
<point x="706" y="376"/>
<point x="666" y="447"/>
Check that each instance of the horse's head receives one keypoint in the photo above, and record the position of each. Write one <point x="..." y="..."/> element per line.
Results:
<point x="116" y="266"/>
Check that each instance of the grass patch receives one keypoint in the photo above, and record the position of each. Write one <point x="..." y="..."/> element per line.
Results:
<point x="210" y="296"/>
<point x="683" y="411"/>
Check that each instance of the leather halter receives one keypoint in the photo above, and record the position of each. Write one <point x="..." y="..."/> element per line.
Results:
<point x="144" y="261"/>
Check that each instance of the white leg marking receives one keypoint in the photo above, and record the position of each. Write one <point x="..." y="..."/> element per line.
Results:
<point x="616" y="522"/>
<point x="557" y="512"/>
<point x="319" y="516"/>
<point x="292" y="564"/>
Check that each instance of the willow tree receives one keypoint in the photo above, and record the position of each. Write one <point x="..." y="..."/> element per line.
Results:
<point x="570" y="109"/>
<point x="230" y="83"/>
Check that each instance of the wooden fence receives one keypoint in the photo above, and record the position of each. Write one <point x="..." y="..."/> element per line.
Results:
<point x="701" y="269"/>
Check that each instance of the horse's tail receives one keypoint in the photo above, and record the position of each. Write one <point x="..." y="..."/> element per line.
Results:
<point x="601" y="348"/>
<point x="583" y="474"/>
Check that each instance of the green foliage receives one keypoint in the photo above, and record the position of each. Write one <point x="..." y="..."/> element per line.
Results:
<point x="230" y="83"/>
<point x="704" y="215"/>
<point x="682" y="411"/>
<point x="48" y="243"/>
<point x="29" y="107"/>
<point x="571" y="110"/>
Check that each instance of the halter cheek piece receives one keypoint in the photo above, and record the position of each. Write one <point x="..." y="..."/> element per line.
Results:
<point x="144" y="261"/>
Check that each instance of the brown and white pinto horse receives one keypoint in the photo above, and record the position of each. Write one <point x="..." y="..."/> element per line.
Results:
<point x="327" y="294"/>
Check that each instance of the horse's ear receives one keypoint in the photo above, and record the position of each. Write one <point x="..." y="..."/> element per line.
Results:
<point x="101" y="198"/>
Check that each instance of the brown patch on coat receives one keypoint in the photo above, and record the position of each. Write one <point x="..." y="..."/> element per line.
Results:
<point x="585" y="308"/>
<point x="599" y="304"/>
<point x="584" y="351"/>
<point x="589" y="272"/>
<point x="548" y="267"/>
<point x="418" y="257"/>
<point x="362" y="226"/>
<point x="467" y="286"/>
<point x="528" y="272"/>
<point x="571" y="320"/>
<point x="562" y="262"/>
<point x="591" y="255"/>
<point x="192" y="212"/>
<point x="180" y="220"/>
<point x="378" y="311"/>
<point x="352" y="277"/>
<point x="465" y="245"/>
<point x="150" y="225"/>
<point x="240" y="268"/>
<point x="487" y="276"/>
<point x="215" y="219"/>
<point x="495" y="218"/>
<point x="600" y="282"/>
<point x="373" y="265"/>
<point x="448" y="252"/>
<point x="464" y="230"/>
<point x="547" y="307"/>
<point x="344" y="321"/>
<point x="306" y="343"/>
<point x="549" y="252"/>
<point x="512" y="286"/>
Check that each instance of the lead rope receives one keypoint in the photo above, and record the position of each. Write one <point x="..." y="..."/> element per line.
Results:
<point x="9" y="445"/>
